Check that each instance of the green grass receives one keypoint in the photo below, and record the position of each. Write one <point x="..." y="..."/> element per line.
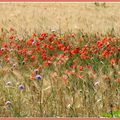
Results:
<point x="114" y="114"/>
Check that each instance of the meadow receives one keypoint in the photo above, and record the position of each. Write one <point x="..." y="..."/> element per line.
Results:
<point x="59" y="60"/>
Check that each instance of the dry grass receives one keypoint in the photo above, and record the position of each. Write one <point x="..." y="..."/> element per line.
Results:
<point x="64" y="16"/>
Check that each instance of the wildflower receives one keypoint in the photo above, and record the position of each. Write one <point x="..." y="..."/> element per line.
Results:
<point x="34" y="35"/>
<point x="40" y="67"/>
<point x="2" y="49"/>
<point x="8" y="84"/>
<point x="46" y="63"/>
<point x="38" y="77"/>
<point x="73" y="35"/>
<point x="88" y="66"/>
<point x="105" y="54"/>
<point x="104" y="40"/>
<point x="11" y="37"/>
<point x="1" y="52"/>
<point x="7" y="103"/>
<point x="29" y="42"/>
<point x="33" y="43"/>
<point x="43" y="34"/>
<point x="118" y="80"/>
<point x="119" y="49"/>
<point x="60" y="62"/>
<point x="14" y="65"/>
<point x="50" y="47"/>
<point x="118" y="60"/>
<point x="60" y="46"/>
<point x="37" y="43"/>
<point x="36" y="71"/>
<point x="51" y="37"/>
<point x="5" y="45"/>
<point x="33" y="57"/>
<point x="43" y="56"/>
<point x="112" y="61"/>
<point x="73" y="66"/>
<point x="81" y="68"/>
<point x="59" y="38"/>
<point x="99" y="44"/>
<point x="21" y="87"/>
<point x="72" y="52"/>
<point x="79" y="76"/>
<point x="41" y="38"/>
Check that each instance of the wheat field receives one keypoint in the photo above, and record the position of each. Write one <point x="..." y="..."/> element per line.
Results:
<point x="64" y="16"/>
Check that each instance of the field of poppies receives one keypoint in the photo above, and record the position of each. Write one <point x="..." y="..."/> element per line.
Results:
<point x="59" y="75"/>
<point x="59" y="60"/>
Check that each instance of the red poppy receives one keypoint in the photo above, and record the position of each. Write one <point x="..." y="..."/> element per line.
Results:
<point x="50" y="47"/>
<point x="33" y="57"/>
<point x="119" y="49"/>
<point x="112" y="61"/>
<point x="1" y="52"/>
<point x="40" y="38"/>
<point x="60" y="46"/>
<point x="29" y="42"/>
<point x="37" y="49"/>
<point x="43" y="56"/>
<point x="73" y="66"/>
<point x="60" y="62"/>
<point x="105" y="54"/>
<point x="81" y="68"/>
<point x="11" y="37"/>
<point x="88" y="66"/>
<point x="34" y="35"/>
<point x="104" y="40"/>
<point x="59" y="39"/>
<point x="99" y="44"/>
<point x="73" y="35"/>
<point x="44" y="34"/>
<point x="37" y="43"/>
<point x="118" y="60"/>
<point x="5" y="45"/>
<point x="46" y="63"/>
<point x="40" y="67"/>
<point x="51" y="37"/>
<point x="44" y="45"/>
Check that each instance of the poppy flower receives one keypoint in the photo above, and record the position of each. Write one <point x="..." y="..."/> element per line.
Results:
<point x="34" y="35"/>
<point x="5" y="45"/>
<point x="81" y="68"/>
<point x="73" y="66"/>
<point x="99" y="44"/>
<point x="51" y="37"/>
<point x="1" y="52"/>
<point x="11" y="37"/>
<point x="33" y="57"/>
<point x="119" y="49"/>
<point x="46" y="63"/>
<point x="43" y="56"/>
<point x="104" y="40"/>
<point x="112" y="61"/>
<point x="60" y="62"/>
<point x="44" y="34"/>
<point x="40" y="38"/>
<point x="88" y="67"/>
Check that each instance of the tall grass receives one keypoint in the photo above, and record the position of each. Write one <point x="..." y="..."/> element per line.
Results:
<point x="65" y="90"/>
